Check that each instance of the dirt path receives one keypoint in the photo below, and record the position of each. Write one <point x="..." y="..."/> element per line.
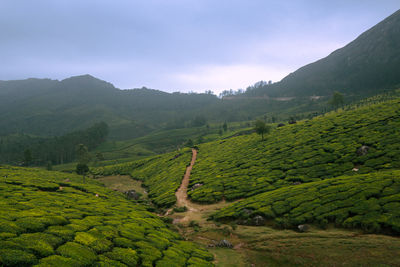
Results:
<point x="181" y="194"/>
<point x="196" y="212"/>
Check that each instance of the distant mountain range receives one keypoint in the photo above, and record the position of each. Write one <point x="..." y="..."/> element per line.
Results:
<point x="368" y="65"/>
<point x="51" y="107"/>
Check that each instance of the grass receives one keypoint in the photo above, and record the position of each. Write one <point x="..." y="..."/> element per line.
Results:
<point x="123" y="183"/>
<point x="265" y="246"/>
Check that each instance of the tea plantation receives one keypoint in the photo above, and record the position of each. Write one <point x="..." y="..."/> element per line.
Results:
<point x="161" y="175"/>
<point x="52" y="219"/>
<point x="309" y="151"/>
<point x="367" y="201"/>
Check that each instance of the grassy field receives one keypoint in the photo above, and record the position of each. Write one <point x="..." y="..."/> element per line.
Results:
<point x="53" y="219"/>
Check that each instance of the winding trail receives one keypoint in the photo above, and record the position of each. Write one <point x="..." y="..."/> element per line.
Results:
<point x="181" y="195"/>
<point x="197" y="212"/>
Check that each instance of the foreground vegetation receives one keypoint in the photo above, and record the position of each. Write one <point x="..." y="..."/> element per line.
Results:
<point x="52" y="219"/>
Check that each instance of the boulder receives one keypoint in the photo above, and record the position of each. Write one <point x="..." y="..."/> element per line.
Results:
<point x="258" y="220"/>
<point x="303" y="228"/>
<point x="132" y="194"/>
<point x="196" y="186"/>
<point x="297" y="183"/>
<point x="281" y="125"/>
<point x="224" y="244"/>
<point x="363" y="150"/>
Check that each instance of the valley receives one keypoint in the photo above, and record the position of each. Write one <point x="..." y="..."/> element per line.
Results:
<point x="304" y="171"/>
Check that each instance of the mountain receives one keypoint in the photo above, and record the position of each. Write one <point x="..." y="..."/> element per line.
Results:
<point x="368" y="65"/>
<point x="46" y="107"/>
<point x="49" y="107"/>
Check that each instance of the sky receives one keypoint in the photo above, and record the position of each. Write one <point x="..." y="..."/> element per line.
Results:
<point x="177" y="45"/>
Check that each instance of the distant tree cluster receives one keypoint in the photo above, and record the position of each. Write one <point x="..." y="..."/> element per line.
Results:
<point x="29" y="150"/>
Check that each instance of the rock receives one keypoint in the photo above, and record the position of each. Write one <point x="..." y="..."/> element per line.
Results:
<point x="297" y="183"/>
<point x="258" y="220"/>
<point x="355" y="169"/>
<point x="132" y="194"/>
<point x="303" y="228"/>
<point x="224" y="244"/>
<point x="196" y="186"/>
<point x="247" y="212"/>
<point x="363" y="150"/>
<point x="281" y="125"/>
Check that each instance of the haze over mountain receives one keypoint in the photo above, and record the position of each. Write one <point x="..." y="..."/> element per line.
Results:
<point x="368" y="65"/>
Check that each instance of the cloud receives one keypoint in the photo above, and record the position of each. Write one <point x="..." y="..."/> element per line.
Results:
<point x="222" y="77"/>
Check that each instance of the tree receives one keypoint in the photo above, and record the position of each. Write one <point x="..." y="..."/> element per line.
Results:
<point x="261" y="128"/>
<point x="82" y="154"/>
<point x="83" y="159"/>
<point x="225" y="127"/>
<point x="27" y="157"/>
<point x="82" y="169"/>
<point x="199" y="120"/>
<point x="189" y="143"/>
<point x="337" y="100"/>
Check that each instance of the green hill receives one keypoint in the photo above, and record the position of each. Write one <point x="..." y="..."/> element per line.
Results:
<point x="341" y="167"/>
<point x="368" y="65"/>
<point x="367" y="201"/>
<point x="52" y="219"/>
<point x="308" y="151"/>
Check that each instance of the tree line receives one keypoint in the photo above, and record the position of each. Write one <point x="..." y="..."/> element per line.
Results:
<point x="22" y="149"/>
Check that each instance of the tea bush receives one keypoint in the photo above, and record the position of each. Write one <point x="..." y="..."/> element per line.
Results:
<point x="309" y="151"/>
<point x="74" y="224"/>
<point x="367" y="201"/>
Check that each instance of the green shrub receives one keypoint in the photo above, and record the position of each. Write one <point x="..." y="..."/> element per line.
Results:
<point x="83" y="254"/>
<point x="10" y="257"/>
<point x="180" y="209"/>
<point x="95" y="242"/>
<point x="356" y="201"/>
<point x="59" y="261"/>
<point x="124" y="255"/>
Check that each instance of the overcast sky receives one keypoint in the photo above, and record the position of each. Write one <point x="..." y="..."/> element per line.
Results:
<point x="177" y="45"/>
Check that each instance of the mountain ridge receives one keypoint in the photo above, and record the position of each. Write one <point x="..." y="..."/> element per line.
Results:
<point x="369" y="64"/>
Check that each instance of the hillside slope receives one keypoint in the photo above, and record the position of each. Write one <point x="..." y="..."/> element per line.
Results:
<point x="52" y="219"/>
<point x="161" y="174"/>
<point x="367" y="65"/>
<point x="367" y="201"/>
<point x="308" y="151"/>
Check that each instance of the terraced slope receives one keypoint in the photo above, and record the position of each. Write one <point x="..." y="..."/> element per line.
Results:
<point x="161" y="175"/>
<point x="309" y="151"/>
<point x="367" y="201"/>
<point x="51" y="219"/>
